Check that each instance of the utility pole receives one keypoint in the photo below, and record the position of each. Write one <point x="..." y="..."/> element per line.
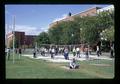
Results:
<point x="6" y="36"/>
<point x="13" y="38"/>
<point x="36" y="46"/>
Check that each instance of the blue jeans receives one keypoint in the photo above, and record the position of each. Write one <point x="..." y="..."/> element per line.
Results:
<point x="66" y="56"/>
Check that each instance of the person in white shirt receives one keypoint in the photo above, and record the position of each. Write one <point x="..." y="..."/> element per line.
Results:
<point x="8" y="53"/>
<point x="98" y="51"/>
<point x="111" y="51"/>
<point x="52" y="53"/>
<point x="78" y="52"/>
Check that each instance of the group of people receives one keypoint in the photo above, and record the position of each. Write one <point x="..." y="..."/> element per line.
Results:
<point x="53" y="51"/>
<point x="7" y="52"/>
<point x="17" y="51"/>
<point x="77" y="51"/>
<point x="98" y="49"/>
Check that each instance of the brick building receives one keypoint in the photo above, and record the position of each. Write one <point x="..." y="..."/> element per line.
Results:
<point x="20" y="39"/>
<point x="29" y="40"/>
<point x="108" y="8"/>
<point x="89" y="12"/>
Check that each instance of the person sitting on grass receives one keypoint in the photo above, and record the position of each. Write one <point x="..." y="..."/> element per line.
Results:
<point x="73" y="64"/>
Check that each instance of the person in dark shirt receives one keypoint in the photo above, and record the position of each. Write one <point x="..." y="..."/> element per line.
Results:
<point x="73" y="64"/>
<point x="20" y="52"/>
<point x="34" y="53"/>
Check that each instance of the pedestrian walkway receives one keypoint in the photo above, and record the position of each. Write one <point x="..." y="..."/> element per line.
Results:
<point x="60" y="58"/>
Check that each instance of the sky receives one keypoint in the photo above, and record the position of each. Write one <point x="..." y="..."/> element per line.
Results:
<point x="34" y="19"/>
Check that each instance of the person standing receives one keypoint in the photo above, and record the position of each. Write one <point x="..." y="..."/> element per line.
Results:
<point x="56" y="50"/>
<point x="34" y="53"/>
<point x="78" y="52"/>
<point x="8" y="53"/>
<point x="43" y="51"/>
<point x="111" y="50"/>
<point x="86" y="52"/>
<point x="66" y="53"/>
<point x="98" y="51"/>
<point x="52" y="53"/>
<point x="74" y="51"/>
<point x="20" y="52"/>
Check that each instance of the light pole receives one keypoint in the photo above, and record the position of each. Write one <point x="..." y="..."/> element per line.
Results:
<point x="102" y="37"/>
<point x="13" y="32"/>
<point x="13" y="38"/>
<point x="6" y="42"/>
<point x="72" y="38"/>
<point x="80" y="34"/>
<point x="6" y="37"/>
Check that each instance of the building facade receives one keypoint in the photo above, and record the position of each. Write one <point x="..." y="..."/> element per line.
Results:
<point x="108" y="8"/>
<point x="29" y="40"/>
<point x="20" y="39"/>
<point x="89" y="12"/>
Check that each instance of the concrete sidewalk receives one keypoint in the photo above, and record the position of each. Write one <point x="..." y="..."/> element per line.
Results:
<point x="60" y="58"/>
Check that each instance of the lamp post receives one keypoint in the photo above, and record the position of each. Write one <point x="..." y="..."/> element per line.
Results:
<point x="72" y="39"/>
<point x="13" y="38"/>
<point x="80" y="34"/>
<point x="13" y="32"/>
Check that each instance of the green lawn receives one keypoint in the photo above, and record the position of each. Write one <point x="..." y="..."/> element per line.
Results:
<point x="34" y="68"/>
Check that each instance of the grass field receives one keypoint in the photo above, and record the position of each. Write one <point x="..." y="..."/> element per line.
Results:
<point x="36" y="68"/>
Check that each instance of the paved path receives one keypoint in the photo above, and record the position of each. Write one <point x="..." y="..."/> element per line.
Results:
<point x="60" y="58"/>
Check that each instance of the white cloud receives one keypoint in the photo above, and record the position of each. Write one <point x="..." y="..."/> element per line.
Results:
<point x="29" y="30"/>
<point x="62" y="17"/>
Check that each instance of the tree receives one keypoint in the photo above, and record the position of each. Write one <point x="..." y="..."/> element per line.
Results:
<point x="87" y="26"/>
<point x="62" y="33"/>
<point x="43" y="38"/>
<point x="16" y="44"/>
<point x="81" y="29"/>
<point x="108" y="34"/>
<point x="105" y="20"/>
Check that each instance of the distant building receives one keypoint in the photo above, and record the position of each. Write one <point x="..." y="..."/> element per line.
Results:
<point x="108" y="8"/>
<point x="20" y="39"/>
<point x="89" y="12"/>
<point x="29" y="40"/>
